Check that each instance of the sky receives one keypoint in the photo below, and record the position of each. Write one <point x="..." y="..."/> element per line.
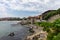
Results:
<point x="25" y="8"/>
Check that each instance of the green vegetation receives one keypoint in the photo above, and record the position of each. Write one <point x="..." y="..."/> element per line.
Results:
<point x="46" y="25"/>
<point x="52" y="13"/>
<point x="53" y="29"/>
<point x="57" y="37"/>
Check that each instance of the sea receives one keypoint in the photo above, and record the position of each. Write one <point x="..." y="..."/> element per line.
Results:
<point x="7" y="27"/>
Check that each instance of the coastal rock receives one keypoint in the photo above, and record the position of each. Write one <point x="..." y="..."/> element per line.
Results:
<point x="11" y="34"/>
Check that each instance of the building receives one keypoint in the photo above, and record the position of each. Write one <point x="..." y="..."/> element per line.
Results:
<point x="34" y="19"/>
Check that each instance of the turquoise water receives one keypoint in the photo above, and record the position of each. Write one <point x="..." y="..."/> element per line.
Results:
<point x="6" y="27"/>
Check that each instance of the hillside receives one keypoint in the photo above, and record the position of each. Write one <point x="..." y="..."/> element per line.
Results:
<point x="51" y="15"/>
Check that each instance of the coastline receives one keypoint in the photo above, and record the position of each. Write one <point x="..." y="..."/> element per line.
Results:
<point x="20" y="33"/>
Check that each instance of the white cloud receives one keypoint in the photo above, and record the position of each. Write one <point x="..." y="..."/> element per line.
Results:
<point x="19" y="4"/>
<point x="27" y="5"/>
<point x="3" y="11"/>
<point x="34" y="4"/>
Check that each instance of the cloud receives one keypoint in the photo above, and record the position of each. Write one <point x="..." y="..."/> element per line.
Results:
<point x="30" y="5"/>
<point x="36" y="5"/>
<point x="27" y="5"/>
<point x="3" y="11"/>
<point x="24" y="4"/>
